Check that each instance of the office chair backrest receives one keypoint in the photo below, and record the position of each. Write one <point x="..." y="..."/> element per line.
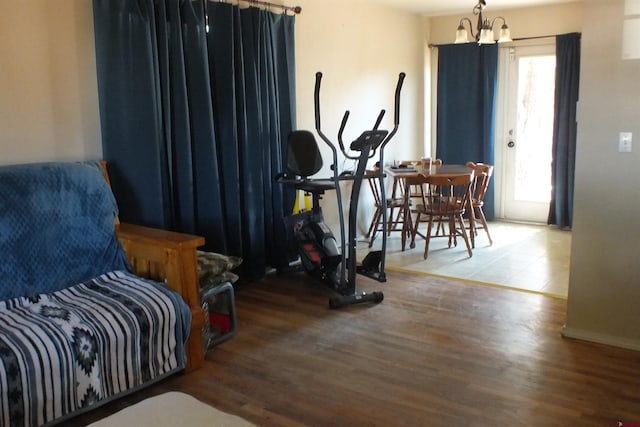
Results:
<point x="303" y="156"/>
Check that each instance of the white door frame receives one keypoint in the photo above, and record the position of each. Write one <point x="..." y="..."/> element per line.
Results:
<point x="506" y="80"/>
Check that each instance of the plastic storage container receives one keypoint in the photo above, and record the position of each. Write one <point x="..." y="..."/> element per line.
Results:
<point x="220" y="323"/>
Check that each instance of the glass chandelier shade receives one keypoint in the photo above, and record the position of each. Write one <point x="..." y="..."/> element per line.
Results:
<point x="484" y="31"/>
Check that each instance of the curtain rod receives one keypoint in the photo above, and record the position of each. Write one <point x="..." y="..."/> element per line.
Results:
<point x="294" y="9"/>
<point x="517" y="39"/>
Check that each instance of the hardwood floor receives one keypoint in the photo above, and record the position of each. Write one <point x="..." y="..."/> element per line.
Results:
<point x="435" y="352"/>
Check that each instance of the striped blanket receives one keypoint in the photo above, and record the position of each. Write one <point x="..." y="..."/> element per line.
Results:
<point x="77" y="348"/>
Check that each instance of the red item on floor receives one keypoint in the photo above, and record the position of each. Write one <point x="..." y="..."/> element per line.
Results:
<point x="222" y="321"/>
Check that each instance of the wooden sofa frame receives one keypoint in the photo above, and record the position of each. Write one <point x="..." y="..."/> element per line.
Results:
<point x="169" y="257"/>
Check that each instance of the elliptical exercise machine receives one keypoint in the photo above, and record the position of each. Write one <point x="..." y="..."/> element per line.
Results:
<point x="319" y="252"/>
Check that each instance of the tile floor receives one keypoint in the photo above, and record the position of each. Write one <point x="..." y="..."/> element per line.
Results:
<point x="532" y="258"/>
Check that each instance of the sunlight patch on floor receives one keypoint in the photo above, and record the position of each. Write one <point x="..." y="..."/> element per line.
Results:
<point x="534" y="258"/>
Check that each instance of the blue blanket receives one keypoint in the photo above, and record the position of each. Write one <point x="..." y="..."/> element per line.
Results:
<point x="56" y="227"/>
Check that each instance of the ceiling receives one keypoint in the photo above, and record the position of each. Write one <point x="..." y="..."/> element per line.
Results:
<point x="445" y="7"/>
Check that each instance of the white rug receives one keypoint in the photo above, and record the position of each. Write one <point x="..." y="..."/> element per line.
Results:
<point x="171" y="410"/>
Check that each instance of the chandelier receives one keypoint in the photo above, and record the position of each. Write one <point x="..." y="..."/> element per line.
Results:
<point x="484" y="28"/>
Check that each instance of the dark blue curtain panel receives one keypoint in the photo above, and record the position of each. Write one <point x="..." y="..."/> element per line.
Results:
<point x="467" y="81"/>
<point x="194" y="123"/>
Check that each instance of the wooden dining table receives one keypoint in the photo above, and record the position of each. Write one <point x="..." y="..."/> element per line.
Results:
<point x="402" y="176"/>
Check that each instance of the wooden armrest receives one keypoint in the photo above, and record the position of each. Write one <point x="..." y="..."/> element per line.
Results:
<point x="169" y="256"/>
<point x="158" y="237"/>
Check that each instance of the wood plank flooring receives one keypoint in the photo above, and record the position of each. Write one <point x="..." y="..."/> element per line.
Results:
<point x="435" y="352"/>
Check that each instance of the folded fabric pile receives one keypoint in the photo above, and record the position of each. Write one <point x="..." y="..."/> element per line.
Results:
<point x="215" y="268"/>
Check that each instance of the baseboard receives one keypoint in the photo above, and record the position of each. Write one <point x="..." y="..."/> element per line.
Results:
<point x="581" y="334"/>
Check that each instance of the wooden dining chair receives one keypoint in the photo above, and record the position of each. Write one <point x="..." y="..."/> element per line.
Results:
<point x="416" y="194"/>
<point x="479" y="186"/>
<point x="445" y="199"/>
<point x="414" y="186"/>
<point x="431" y="162"/>
<point x="418" y="165"/>
<point x="399" y="191"/>
<point x="391" y="204"/>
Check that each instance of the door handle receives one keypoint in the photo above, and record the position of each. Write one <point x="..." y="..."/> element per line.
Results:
<point x="511" y="144"/>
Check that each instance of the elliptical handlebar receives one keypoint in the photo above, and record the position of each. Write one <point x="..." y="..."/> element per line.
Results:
<point x="345" y="118"/>
<point x="316" y="103"/>
<point x="334" y="166"/>
<point x="342" y="125"/>
<point x="379" y="119"/>
<point x="396" y="116"/>
<point x="396" y="119"/>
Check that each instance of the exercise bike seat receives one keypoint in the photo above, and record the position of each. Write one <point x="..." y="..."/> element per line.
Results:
<point x="309" y="185"/>
<point x="315" y="185"/>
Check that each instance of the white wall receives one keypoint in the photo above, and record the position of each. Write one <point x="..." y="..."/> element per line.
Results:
<point x="604" y="285"/>
<point x="48" y="88"/>
<point x="360" y="48"/>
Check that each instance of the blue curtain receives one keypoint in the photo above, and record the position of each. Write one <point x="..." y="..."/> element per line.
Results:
<point x="194" y="124"/>
<point x="565" y="129"/>
<point x="467" y="81"/>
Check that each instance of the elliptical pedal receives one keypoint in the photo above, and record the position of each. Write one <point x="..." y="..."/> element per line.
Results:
<point x="371" y="266"/>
